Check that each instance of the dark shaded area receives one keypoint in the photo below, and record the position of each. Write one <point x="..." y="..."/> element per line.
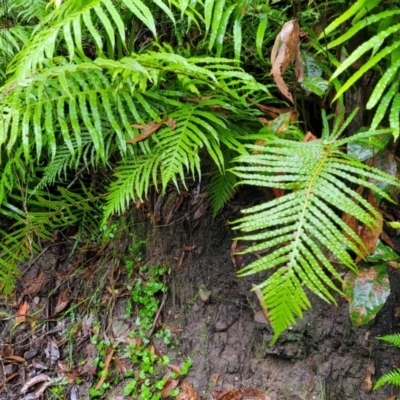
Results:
<point x="322" y="357"/>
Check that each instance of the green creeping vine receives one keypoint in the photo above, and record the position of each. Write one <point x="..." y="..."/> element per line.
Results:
<point x="299" y="228"/>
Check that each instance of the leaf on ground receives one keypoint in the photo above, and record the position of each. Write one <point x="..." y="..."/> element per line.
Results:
<point x="33" y="286"/>
<point x="367" y="293"/>
<point x="242" y="394"/>
<point x="284" y="52"/>
<point x="34" y="381"/>
<point x="52" y="351"/>
<point x="368" y="235"/>
<point x="62" y="301"/>
<point x="187" y="392"/>
<point x="170" y="385"/>
<point x="260" y="298"/>
<point x="22" y="312"/>
<point x="368" y="377"/>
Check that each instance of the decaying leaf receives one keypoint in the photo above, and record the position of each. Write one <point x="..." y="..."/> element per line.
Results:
<point x="370" y="236"/>
<point x="242" y="394"/>
<point x="368" y="377"/>
<point x="33" y="286"/>
<point x="52" y="352"/>
<point x="22" y="312"/>
<point x="62" y="301"/>
<point x="284" y="52"/>
<point x="147" y="130"/>
<point x="260" y="298"/>
<point x="170" y="385"/>
<point x="187" y="392"/>
<point x="34" y="381"/>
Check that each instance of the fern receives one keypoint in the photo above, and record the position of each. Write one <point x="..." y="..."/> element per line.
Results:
<point x="381" y="46"/>
<point x="296" y="228"/>
<point x="392" y="377"/>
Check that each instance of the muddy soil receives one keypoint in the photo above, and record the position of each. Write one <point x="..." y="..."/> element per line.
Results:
<point x="224" y="333"/>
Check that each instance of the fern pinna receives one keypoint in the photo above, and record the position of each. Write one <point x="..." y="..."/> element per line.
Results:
<point x="298" y="229"/>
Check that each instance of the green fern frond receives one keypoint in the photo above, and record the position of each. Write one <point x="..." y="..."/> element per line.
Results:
<point x="222" y="186"/>
<point x="390" y="378"/>
<point x="383" y="44"/>
<point x="303" y="222"/>
<point x="393" y="339"/>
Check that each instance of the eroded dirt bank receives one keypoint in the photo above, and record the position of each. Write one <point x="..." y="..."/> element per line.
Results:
<point x="322" y="357"/>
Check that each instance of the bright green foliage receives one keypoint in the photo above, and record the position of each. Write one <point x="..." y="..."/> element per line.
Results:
<point x="298" y="228"/>
<point x="384" y="50"/>
<point x="392" y="377"/>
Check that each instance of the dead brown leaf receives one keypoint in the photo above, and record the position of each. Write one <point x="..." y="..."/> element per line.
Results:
<point x="16" y="359"/>
<point x="370" y="236"/>
<point x="368" y="377"/>
<point x="110" y="354"/>
<point x="62" y="301"/>
<point x="170" y="384"/>
<point x="387" y="240"/>
<point x="34" y="286"/>
<point x="309" y="137"/>
<point x="187" y="392"/>
<point x="12" y="376"/>
<point x="181" y="256"/>
<point x="272" y="111"/>
<point x="148" y="130"/>
<point x="284" y="52"/>
<point x="173" y="329"/>
<point x="52" y="351"/>
<point x="34" y="381"/>
<point x="22" y="312"/>
<point x="243" y="394"/>
<point x="260" y="298"/>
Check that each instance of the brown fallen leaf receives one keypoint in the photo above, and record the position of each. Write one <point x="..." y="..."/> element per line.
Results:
<point x="148" y="130"/>
<point x="370" y="236"/>
<point x="34" y="381"/>
<point x="110" y="354"/>
<point x="22" y="312"/>
<point x="309" y="137"/>
<point x="170" y="384"/>
<point x="173" y="329"/>
<point x="34" y="286"/>
<point x="52" y="351"/>
<point x="284" y="52"/>
<point x="260" y="298"/>
<point x="62" y="301"/>
<point x="187" y="392"/>
<point x="242" y="394"/>
<point x="16" y="359"/>
<point x="12" y="376"/>
<point x="368" y="377"/>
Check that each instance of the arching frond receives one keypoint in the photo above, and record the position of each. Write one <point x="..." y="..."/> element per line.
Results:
<point x="300" y="225"/>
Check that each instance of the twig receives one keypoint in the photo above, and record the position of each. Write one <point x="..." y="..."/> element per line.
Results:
<point x="157" y="315"/>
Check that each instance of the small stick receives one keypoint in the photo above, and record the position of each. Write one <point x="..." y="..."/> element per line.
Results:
<point x="157" y="315"/>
